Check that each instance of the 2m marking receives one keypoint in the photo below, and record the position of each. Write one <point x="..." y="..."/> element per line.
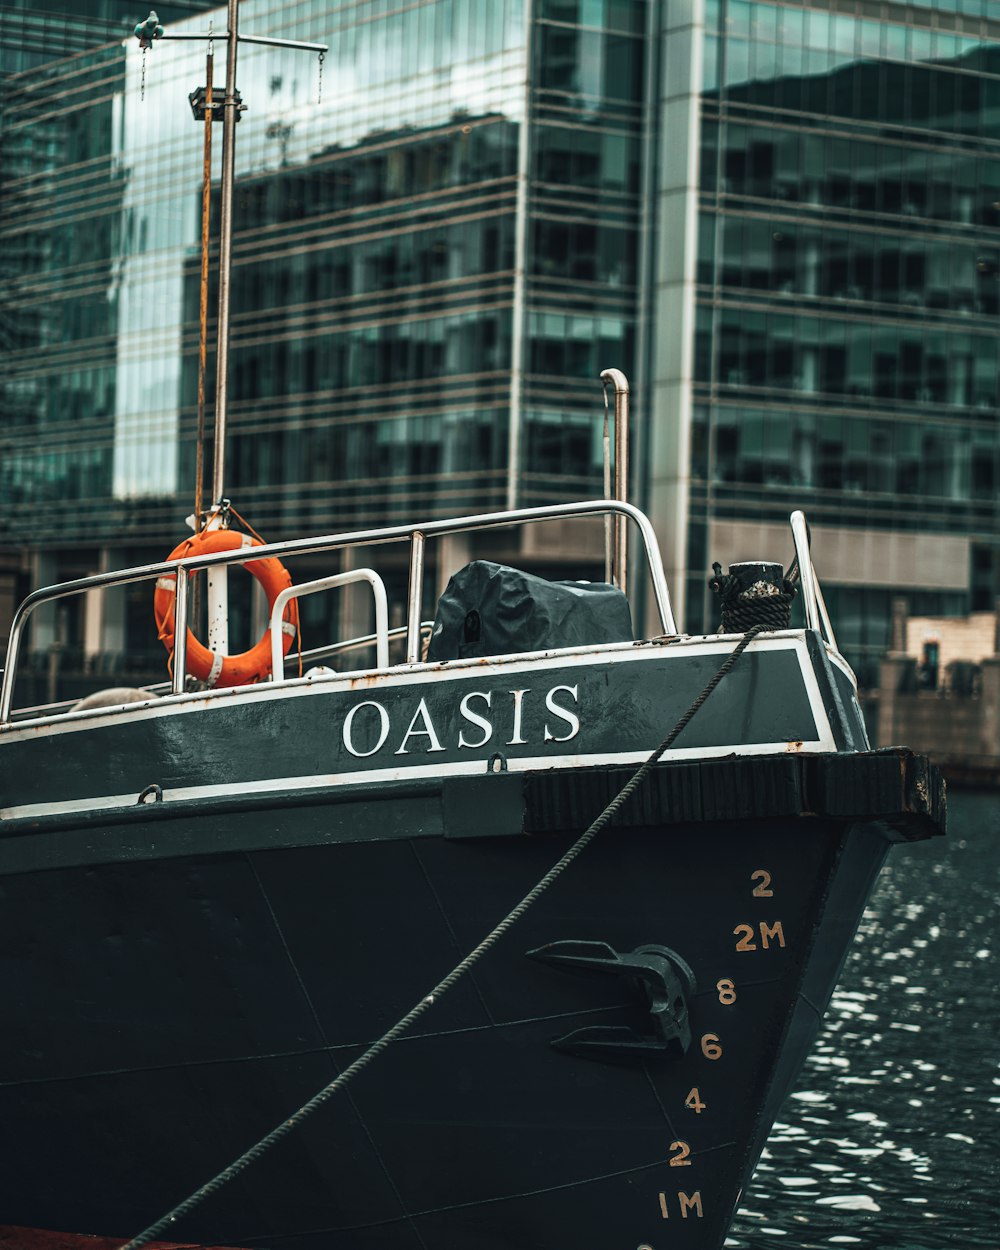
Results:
<point x="763" y="887"/>
<point x="746" y="942"/>
<point x="768" y="933"/>
<point x="680" y="1159"/>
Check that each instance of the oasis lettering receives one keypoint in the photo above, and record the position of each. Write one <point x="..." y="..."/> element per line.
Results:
<point x="482" y="718"/>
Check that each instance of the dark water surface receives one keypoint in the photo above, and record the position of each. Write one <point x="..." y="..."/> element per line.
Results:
<point x="892" y="1139"/>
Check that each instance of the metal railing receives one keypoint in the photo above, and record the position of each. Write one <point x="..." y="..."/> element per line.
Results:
<point x="616" y="552"/>
<point x="314" y="654"/>
<point x="302" y="589"/>
<point x="416" y="535"/>
<point x="817" y="616"/>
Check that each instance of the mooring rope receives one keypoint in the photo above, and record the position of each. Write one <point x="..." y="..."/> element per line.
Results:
<point x="261" y="1147"/>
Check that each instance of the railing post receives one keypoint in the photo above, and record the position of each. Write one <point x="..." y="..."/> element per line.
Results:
<point x="413" y="597"/>
<point x="180" y="632"/>
<point x="276" y="623"/>
<point x="616" y="378"/>
<point x="10" y="667"/>
<point x="800" y="538"/>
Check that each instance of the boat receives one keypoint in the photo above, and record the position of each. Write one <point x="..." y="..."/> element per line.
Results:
<point x="214" y="900"/>
<point x="512" y="933"/>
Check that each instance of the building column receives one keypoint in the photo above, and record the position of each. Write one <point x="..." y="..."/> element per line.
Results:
<point x="673" y="305"/>
<point x="44" y="621"/>
<point x="890" y="672"/>
<point x="453" y="553"/>
<point x="989" y="707"/>
<point x="521" y="206"/>
<point x="104" y="610"/>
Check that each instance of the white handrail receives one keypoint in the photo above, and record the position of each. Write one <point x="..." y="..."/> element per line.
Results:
<point x="328" y="583"/>
<point x="824" y="616"/>
<point x="325" y="543"/>
<point x="817" y="616"/>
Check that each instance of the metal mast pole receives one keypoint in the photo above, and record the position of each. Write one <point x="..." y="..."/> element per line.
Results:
<point x="206" y="204"/>
<point x="230" y="107"/>
<point x="146" y="32"/>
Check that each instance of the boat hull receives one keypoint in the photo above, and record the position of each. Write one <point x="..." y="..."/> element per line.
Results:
<point x="173" y="1006"/>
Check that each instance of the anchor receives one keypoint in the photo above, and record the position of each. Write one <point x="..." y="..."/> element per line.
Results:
<point x="663" y="979"/>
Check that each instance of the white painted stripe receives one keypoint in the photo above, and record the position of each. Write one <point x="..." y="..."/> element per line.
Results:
<point x="216" y="669"/>
<point x="816" y="705"/>
<point x="462" y="768"/>
<point x="167" y="583"/>
<point x="838" y="661"/>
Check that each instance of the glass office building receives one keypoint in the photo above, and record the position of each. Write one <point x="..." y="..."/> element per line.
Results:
<point x="846" y="298"/>
<point x="781" y="220"/>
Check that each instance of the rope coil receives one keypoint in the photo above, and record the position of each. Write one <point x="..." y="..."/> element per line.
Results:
<point x="760" y="604"/>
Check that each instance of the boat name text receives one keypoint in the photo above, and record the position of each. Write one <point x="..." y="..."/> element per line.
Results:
<point x="368" y="726"/>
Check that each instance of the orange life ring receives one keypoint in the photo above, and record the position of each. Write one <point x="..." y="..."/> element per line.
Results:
<point x="206" y="665"/>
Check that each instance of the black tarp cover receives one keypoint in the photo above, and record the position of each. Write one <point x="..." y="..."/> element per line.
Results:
<point x="491" y="609"/>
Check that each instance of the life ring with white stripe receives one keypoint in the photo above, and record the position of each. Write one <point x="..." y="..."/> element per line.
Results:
<point x="208" y="666"/>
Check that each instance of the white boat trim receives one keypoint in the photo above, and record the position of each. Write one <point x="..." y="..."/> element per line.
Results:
<point x="405" y="675"/>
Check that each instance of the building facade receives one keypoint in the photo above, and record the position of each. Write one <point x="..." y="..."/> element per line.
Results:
<point x="846" y="197"/>
<point x="781" y="220"/>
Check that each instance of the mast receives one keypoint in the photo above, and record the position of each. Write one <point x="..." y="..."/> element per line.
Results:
<point x="230" y="112"/>
<point x="146" y="32"/>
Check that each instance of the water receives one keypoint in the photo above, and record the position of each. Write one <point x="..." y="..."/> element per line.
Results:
<point x="892" y="1139"/>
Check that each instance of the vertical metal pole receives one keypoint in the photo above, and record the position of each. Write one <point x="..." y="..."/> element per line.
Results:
<point x="621" y="482"/>
<point x="10" y="667"/>
<point x="206" y="202"/>
<point x="606" y="448"/>
<point x="800" y="537"/>
<point x="180" y="631"/>
<point x="616" y="378"/>
<point x="642" y="370"/>
<point x="225" y="254"/>
<point x="414" y="597"/>
<point x="516" y="415"/>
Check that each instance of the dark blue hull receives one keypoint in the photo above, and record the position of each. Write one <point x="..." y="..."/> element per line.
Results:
<point x="173" y="1007"/>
